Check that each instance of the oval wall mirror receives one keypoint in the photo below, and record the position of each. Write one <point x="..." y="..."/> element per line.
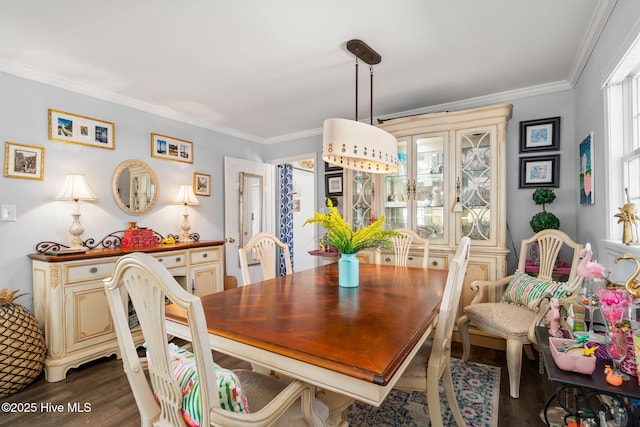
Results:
<point x="135" y="187"/>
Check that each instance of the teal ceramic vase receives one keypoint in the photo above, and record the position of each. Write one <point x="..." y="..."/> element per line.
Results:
<point x="348" y="271"/>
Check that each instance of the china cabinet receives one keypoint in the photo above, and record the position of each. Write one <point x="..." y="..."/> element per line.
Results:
<point x="451" y="183"/>
<point x="71" y="306"/>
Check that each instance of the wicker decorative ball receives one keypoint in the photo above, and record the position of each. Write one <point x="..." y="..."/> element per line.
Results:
<point x="22" y="345"/>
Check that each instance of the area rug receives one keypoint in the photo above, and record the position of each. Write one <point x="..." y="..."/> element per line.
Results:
<point x="477" y="387"/>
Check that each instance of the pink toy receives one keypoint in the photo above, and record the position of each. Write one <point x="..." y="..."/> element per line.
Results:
<point x="588" y="269"/>
<point x="553" y="317"/>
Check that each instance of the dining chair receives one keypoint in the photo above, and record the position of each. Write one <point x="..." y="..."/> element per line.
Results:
<point x="181" y="388"/>
<point x="512" y="307"/>
<point x="433" y="360"/>
<point x="403" y="243"/>
<point x="266" y="247"/>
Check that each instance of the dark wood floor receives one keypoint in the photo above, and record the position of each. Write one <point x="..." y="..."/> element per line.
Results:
<point x="103" y="386"/>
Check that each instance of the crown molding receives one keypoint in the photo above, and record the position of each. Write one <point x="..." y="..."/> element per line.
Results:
<point x="500" y="97"/>
<point x="32" y="74"/>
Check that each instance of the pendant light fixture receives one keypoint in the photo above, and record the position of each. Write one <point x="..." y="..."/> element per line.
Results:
<point x="351" y="144"/>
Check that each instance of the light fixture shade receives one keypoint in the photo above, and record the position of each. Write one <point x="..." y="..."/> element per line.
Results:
<point x="355" y="145"/>
<point x="186" y="196"/>
<point x="76" y="188"/>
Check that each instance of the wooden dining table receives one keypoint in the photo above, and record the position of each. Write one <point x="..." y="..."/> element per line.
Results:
<point x="352" y="341"/>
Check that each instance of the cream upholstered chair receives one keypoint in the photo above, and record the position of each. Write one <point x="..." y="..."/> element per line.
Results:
<point x="161" y="396"/>
<point x="496" y="311"/>
<point x="402" y="245"/>
<point x="433" y="360"/>
<point x="266" y="250"/>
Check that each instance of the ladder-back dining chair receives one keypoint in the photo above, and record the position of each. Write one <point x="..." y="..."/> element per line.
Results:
<point x="181" y="388"/>
<point x="433" y="360"/>
<point x="403" y="244"/>
<point x="510" y="307"/>
<point x="265" y="247"/>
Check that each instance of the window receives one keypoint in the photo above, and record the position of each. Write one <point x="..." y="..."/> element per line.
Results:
<point x="623" y="111"/>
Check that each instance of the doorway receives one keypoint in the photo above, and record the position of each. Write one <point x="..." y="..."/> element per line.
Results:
<point x="303" y="170"/>
<point x="232" y="217"/>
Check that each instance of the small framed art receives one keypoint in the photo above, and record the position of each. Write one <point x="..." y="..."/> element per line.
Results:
<point x="542" y="171"/>
<point x="333" y="184"/>
<point x="169" y="148"/>
<point x="328" y="167"/>
<point x="75" y="129"/>
<point x="540" y="135"/>
<point x="23" y="161"/>
<point x="201" y="184"/>
<point x="586" y="171"/>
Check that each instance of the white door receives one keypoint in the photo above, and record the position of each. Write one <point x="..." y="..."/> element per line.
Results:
<point x="232" y="169"/>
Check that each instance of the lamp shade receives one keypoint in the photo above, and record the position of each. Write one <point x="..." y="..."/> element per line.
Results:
<point x="355" y="145"/>
<point x="186" y="196"/>
<point x="76" y="188"/>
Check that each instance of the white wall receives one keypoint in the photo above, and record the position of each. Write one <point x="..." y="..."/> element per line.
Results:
<point x="304" y="238"/>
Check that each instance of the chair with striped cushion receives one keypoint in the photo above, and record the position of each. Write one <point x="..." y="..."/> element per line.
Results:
<point x="510" y="307"/>
<point x="183" y="388"/>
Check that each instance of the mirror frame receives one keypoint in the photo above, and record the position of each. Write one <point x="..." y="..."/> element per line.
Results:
<point x="243" y="191"/>
<point x="114" y="189"/>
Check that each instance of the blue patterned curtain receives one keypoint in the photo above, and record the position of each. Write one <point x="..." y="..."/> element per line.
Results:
<point x="286" y="211"/>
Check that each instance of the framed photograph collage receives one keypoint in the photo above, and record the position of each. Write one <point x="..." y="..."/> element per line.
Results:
<point x="540" y="170"/>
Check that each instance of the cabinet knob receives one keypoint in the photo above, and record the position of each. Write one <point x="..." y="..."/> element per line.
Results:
<point x="387" y="259"/>
<point x="177" y="259"/>
<point x="93" y="270"/>
<point x="410" y="258"/>
<point x="160" y="259"/>
<point x="205" y="255"/>
<point x="434" y="263"/>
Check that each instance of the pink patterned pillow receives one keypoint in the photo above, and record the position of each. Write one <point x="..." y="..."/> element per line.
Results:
<point x="526" y="290"/>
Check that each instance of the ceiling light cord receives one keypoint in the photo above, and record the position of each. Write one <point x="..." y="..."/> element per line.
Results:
<point x="371" y="101"/>
<point x="356" y="85"/>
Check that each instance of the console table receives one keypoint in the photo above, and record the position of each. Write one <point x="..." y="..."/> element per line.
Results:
<point x="585" y="391"/>
<point x="71" y="306"/>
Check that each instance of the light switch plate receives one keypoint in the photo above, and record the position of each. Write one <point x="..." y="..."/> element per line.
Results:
<point x="8" y="213"/>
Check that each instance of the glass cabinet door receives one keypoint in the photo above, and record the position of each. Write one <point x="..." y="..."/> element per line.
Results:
<point x="475" y="185"/>
<point x="396" y="192"/>
<point x="414" y="197"/>
<point x="428" y="186"/>
<point x="362" y="194"/>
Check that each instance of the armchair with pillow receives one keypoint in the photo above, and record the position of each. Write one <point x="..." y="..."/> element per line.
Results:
<point x="512" y="307"/>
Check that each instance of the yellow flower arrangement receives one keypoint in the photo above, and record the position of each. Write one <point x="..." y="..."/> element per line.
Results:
<point x="341" y="236"/>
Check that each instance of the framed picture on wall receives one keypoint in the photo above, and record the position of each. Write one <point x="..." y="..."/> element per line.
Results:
<point x="542" y="171"/>
<point x="75" y="129"/>
<point x="328" y="167"/>
<point x="201" y="184"/>
<point x="169" y="148"/>
<point x="586" y="171"/>
<point x="540" y="135"/>
<point x="333" y="184"/>
<point x="23" y="161"/>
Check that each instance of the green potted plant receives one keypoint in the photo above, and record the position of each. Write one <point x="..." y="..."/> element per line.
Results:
<point x="544" y="220"/>
<point x="348" y="242"/>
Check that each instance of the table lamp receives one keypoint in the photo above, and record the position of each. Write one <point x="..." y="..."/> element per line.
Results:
<point x="187" y="197"/>
<point x="76" y="189"/>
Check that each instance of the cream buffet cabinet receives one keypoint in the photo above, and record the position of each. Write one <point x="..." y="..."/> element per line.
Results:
<point x="451" y="183"/>
<point x="70" y="302"/>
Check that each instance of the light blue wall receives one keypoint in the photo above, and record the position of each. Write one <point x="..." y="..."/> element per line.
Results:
<point x="590" y="116"/>
<point x="23" y="119"/>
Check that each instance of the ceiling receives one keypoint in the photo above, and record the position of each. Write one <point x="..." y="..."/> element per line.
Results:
<point x="271" y="71"/>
